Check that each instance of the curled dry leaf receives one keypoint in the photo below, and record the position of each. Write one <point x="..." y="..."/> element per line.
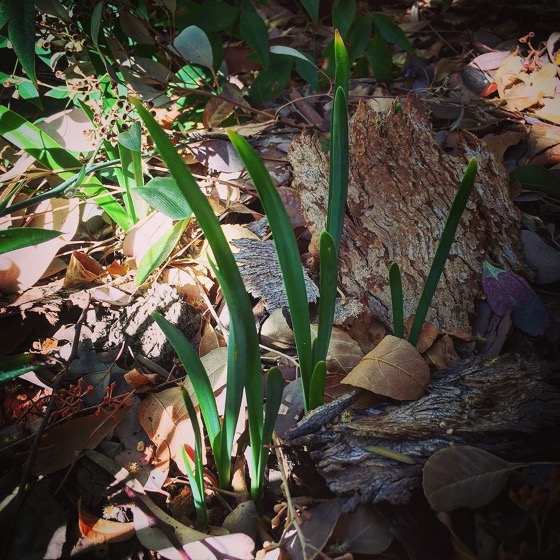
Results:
<point x="100" y="531"/>
<point x="344" y="352"/>
<point x="464" y="476"/>
<point x="427" y="337"/>
<point x="394" y="368"/>
<point x="81" y="270"/>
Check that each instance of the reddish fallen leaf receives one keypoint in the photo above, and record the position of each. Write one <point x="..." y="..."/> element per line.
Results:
<point x="101" y="531"/>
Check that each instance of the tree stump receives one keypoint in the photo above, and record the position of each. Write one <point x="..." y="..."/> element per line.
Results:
<point x="402" y="183"/>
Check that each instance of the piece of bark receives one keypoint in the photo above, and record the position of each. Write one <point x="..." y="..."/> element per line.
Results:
<point x="402" y="183"/>
<point x="505" y="406"/>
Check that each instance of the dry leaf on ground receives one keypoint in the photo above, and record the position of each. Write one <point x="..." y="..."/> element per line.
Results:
<point x="463" y="476"/>
<point x="394" y="368"/>
<point x="22" y="268"/>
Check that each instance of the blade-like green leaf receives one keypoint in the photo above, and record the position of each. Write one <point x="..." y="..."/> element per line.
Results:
<point x="244" y="342"/>
<point x="16" y="238"/>
<point x="442" y="252"/>
<point x="380" y="58"/>
<point x="343" y="13"/>
<point x="397" y="301"/>
<point x="312" y="8"/>
<point x="274" y="393"/>
<point x="339" y="166"/>
<point x="130" y="144"/>
<point x="318" y="383"/>
<point x="253" y="31"/>
<point x="38" y="144"/>
<point x="537" y="178"/>
<point x="391" y="32"/>
<point x="196" y="477"/>
<point x="159" y="251"/>
<point x="163" y="194"/>
<point x="197" y="375"/>
<point x="327" y="291"/>
<point x="287" y="250"/>
<point x="14" y="366"/>
<point x="21" y="30"/>
<point x="342" y="66"/>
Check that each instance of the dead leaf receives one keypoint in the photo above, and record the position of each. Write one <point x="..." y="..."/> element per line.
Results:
<point x="72" y="129"/>
<point x="22" y="268"/>
<point x="217" y="154"/>
<point x="499" y="143"/>
<point x="138" y="380"/>
<point x="463" y="476"/>
<point x="521" y="89"/>
<point x="317" y="528"/>
<point x="228" y="547"/>
<point x="542" y="258"/>
<point x="428" y="334"/>
<point x="112" y="295"/>
<point x="211" y="340"/>
<point x="63" y="444"/>
<point x="550" y="110"/>
<point x="363" y="531"/>
<point x="81" y="270"/>
<point x="118" y="269"/>
<point x="344" y="353"/>
<point x="140" y="236"/>
<point x="100" y="531"/>
<point x="394" y="368"/>
<point x="442" y="353"/>
<point x="490" y="60"/>
<point x="276" y="332"/>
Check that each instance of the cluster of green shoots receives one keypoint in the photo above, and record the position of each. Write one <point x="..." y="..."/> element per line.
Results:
<point x="180" y="197"/>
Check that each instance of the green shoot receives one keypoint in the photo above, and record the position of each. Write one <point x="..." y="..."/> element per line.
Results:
<point x="397" y="300"/>
<point x="196" y="476"/>
<point x="442" y="252"/>
<point x="243" y="368"/>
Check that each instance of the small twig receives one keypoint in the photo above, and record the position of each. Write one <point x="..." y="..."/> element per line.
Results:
<point x="282" y="467"/>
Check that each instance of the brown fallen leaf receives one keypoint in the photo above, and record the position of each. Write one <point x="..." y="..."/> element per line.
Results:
<point x="100" y="531"/>
<point x="442" y="353"/>
<point x="464" y="476"/>
<point x="394" y="368"/>
<point x="427" y="337"/>
<point x="63" y="444"/>
<point x="82" y="269"/>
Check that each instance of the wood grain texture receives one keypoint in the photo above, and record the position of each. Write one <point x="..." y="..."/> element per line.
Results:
<point x="402" y="184"/>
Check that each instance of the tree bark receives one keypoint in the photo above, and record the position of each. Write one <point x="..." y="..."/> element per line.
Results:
<point x="506" y="406"/>
<point x="402" y="183"/>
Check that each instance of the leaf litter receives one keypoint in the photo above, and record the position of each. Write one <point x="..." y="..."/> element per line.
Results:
<point x="516" y="80"/>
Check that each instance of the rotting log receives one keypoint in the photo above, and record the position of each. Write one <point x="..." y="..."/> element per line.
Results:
<point x="402" y="181"/>
<point x="507" y="406"/>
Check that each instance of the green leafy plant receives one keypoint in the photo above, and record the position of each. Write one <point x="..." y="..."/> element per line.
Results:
<point x="436" y="269"/>
<point x="243" y="366"/>
<point x="311" y="356"/>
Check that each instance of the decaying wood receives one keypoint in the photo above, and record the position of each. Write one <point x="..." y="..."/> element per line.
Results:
<point x="402" y="183"/>
<point x="505" y="406"/>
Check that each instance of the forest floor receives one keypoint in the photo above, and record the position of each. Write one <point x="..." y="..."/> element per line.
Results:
<point x="93" y="426"/>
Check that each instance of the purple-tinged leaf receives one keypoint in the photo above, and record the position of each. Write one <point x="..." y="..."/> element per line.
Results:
<point x="506" y="290"/>
<point x="497" y="297"/>
<point x="501" y="286"/>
